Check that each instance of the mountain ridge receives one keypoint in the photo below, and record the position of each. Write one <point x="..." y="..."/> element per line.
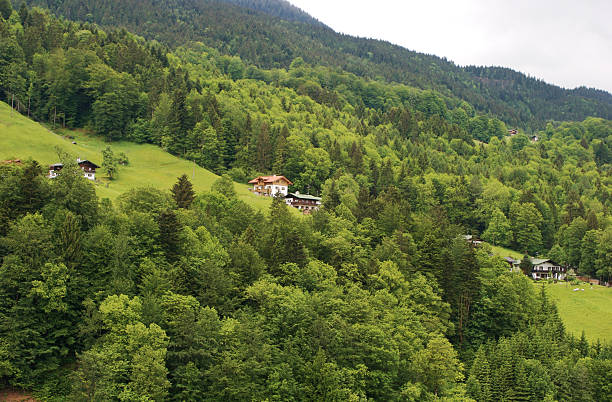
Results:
<point x="272" y="42"/>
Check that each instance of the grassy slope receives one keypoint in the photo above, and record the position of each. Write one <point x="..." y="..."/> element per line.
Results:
<point x="149" y="165"/>
<point x="589" y="310"/>
<point x="506" y="252"/>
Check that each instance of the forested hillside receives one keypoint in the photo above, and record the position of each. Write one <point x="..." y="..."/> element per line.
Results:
<point x="277" y="8"/>
<point x="171" y="295"/>
<point x="270" y="42"/>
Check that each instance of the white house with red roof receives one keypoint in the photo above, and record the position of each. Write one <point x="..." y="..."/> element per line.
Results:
<point x="271" y="186"/>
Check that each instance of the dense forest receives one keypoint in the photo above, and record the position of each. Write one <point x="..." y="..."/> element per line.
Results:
<point x="277" y="8"/>
<point x="171" y="295"/>
<point x="267" y="42"/>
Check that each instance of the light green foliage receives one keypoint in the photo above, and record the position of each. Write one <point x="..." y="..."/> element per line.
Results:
<point x="437" y="366"/>
<point x="572" y="241"/>
<point x="109" y="163"/>
<point x="128" y="363"/>
<point x="224" y="185"/>
<point x="525" y="220"/>
<point x="498" y="231"/>
<point x="52" y="287"/>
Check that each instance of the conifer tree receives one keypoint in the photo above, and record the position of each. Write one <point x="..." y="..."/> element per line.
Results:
<point x="70" y="237"/>
<point x="521" y="390"/>
<point x="182" y="192"/>
<point x="479" y="381"/>
<point x="169" y="230"/>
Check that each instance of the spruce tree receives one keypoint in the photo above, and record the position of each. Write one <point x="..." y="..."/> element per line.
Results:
<point x="169" y="228"/>
<point x="479" y="381"/>
<point x="182" y="192"/>
<point x="521" y="390"/>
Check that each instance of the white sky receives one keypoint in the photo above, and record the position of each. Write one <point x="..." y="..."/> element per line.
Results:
<point x="564" y="42"/>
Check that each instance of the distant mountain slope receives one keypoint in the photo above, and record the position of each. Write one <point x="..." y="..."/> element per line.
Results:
<point x="269" y="41"/>
<point x="277" y="8"/>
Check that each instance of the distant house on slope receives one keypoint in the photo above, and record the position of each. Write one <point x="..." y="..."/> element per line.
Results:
<point x="473" y="240"/>
<point x="304" y="202"/>
<point x="512" y="132"/>
<point x="271" y="186"/>
<point x="543" y="268"/>
<point x="88" y="167"/>
<point x="511" y="261"/>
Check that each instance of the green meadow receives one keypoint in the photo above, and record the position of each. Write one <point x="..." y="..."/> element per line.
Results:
<point x="589" y="309"/>
<point x="149" y="165"/>
<point x="506" y="252"/>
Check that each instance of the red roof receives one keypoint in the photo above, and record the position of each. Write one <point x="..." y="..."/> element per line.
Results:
<point x="270" y="179"/>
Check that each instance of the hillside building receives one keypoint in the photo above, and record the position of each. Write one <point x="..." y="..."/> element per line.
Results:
<point x="543" y="268"/>
<point x="88" y="167"/>
<point x="271" y="186"/>
<point x="304" y="202"/>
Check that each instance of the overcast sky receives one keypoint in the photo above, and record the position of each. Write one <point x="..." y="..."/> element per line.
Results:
<point x="564" y="42"/>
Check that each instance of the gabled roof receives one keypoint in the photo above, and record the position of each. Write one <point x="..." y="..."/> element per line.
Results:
<point x="303" y="196"/>
<point x="269" y="179"/>
<point x="79" y="162"/>
<point x="87" y="162"/>
<point x="538" y="261"/>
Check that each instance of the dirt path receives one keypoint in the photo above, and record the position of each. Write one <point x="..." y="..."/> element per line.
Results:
<point x="11" y="395"/>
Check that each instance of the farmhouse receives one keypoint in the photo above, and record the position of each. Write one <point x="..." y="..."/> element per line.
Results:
<point x="304" y="202"/>
<point x="271" y="186"/>
<point x="88" y="167"/>
<point x="543" y="268"/>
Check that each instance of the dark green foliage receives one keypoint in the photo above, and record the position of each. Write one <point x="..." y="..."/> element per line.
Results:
<point x="526" y="266"/>
<point x="6" y="9"/>
<point x="182" y="192"/>
<point x="169" y="234"/>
